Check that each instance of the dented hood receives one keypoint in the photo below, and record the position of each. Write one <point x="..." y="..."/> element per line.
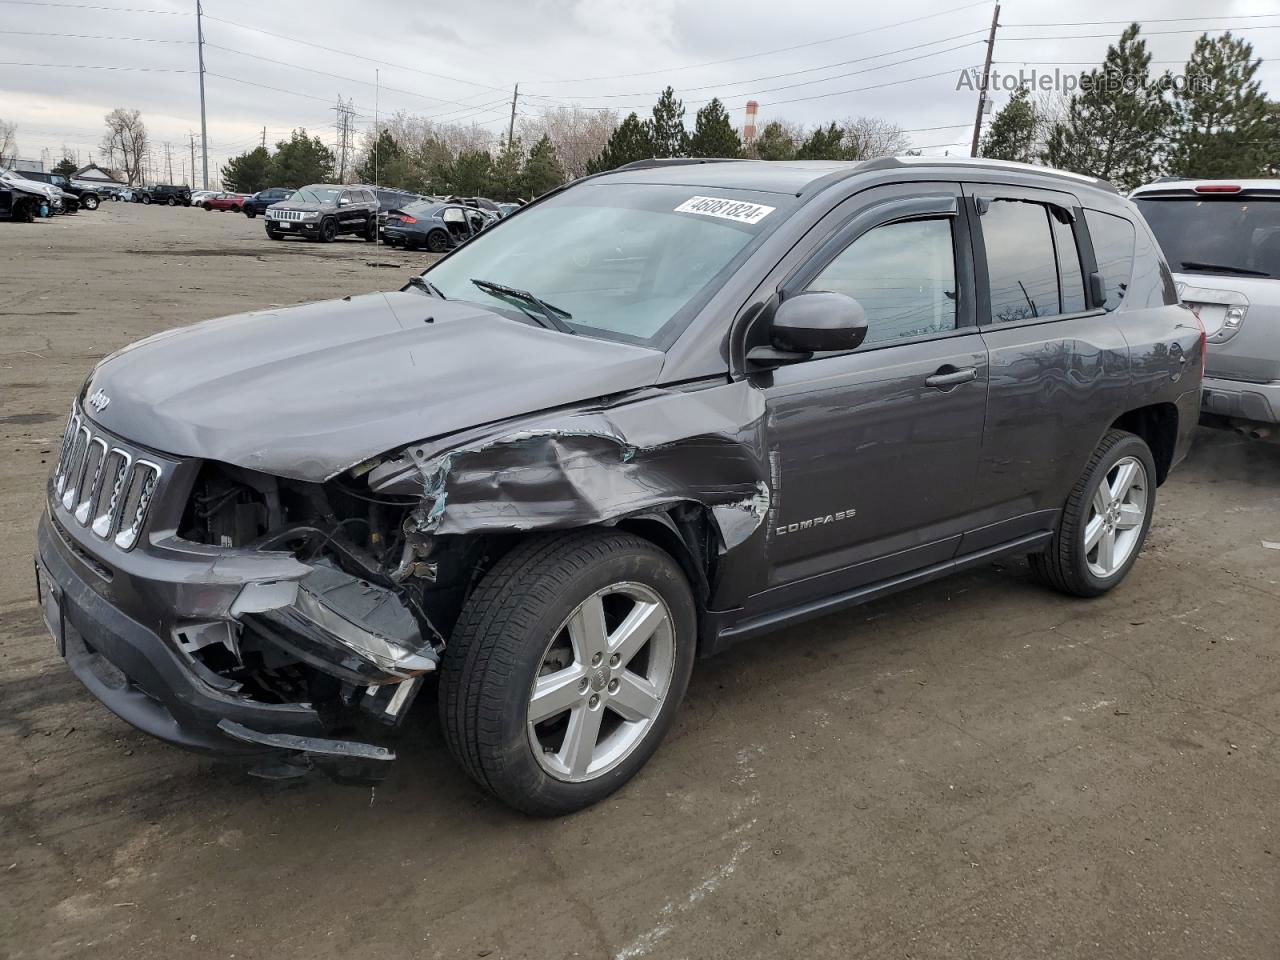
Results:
<point x="306" y="392"/>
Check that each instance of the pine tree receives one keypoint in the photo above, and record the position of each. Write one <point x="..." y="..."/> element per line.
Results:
<point x="1222" y="119"/>
<point x="631" y="141"/>
<point x="825" y="143"/>
<point x="508" y="166"/>
<point x="713" y="134"/>
<point x="774" y="143"/>
<point x="469" y="173"/>
<point x="670" y="139"/>
<point x="1113" y="125"/>
<point x="65" y="168"/>
<point x="249" y="172"/>
<point x="381" y="156"/>
<point x="1012" y="134"/>
<point x="301" y="160"/>
<point x="542" y="171"/>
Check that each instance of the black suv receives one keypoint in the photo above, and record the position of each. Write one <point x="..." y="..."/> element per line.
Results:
<point x="167" y="193"/>
<point x="258" y="203"/>
<point x="662" y="410"/>
<point x="322" y="211"/>
<point x="89" y="197"/>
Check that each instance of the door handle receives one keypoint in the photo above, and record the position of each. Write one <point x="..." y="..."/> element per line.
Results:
<point x="949" y="376"/>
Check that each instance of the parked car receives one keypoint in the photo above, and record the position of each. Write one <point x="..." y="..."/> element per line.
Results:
<point x="322" y="211"/>
<point x="507" y="209"/>
<point x="258" y="203"/>
<point x="431" y="224"/>
<point x="1222" y="238"/>
<point x="389" y="200"/>
<point x="127" y="194"/>
<point x="672" y="407"/>
<point x="167" y="193"/>
<point x="225" y="201"/>
<point x="197" y="196"/>
<point x="87" y="198"/>
<point x="52" y="195"/>
<point x="22" y="203"/>
<point x="479" y="203"/>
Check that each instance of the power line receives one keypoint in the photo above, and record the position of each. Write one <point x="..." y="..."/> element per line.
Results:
<point x="90" y="36"/>
<point x="767" y="53"/>
<point x="1145" y="33"/>
<point x="1101" y="23"/>
<point x="94" y="6"/>
<point x="91" y="66"/>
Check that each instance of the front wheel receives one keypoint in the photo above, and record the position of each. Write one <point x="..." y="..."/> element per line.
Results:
<point x="275" y="235"/>
<point x="1105" y="521"/>
<point x="146" y="200"/>
<point x="371" y="230"/>
<point x="566" y="668"/>
<point x="328" y="230"/>
<point x="172" y="202"/>
<point x="249" y="213"/>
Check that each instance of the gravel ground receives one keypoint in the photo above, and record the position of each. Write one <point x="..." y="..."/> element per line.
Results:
<point x="978" y="768"/>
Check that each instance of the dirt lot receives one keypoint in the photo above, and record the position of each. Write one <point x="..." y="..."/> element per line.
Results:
<point x="979" y="768"/>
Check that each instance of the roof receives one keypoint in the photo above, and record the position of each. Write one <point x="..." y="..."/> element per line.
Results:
<point x="795" y="176"/>
<point x="94" y="172"/>
<point x="1186" y="186"/>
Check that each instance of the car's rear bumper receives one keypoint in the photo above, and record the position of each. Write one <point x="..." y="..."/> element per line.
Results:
<point x="144" y="680"/>
<point x="1238" y="400"/>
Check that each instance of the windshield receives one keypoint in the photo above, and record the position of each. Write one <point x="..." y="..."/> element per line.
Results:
<point x="317" y="194"/>
<point x="1234" y="236"/>
<point x="632" y="262"/>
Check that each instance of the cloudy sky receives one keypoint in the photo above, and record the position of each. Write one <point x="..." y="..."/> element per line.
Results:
<point x="281" y="64"/>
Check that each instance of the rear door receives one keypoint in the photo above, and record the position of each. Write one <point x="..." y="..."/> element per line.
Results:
<point x="876" y="450"/>
<point x="1059" y="363"/>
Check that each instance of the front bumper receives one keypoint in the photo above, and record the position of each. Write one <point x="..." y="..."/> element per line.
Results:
<point x="304" y="228"/>
<point x="1238" y="400"/>
<point x="141" y="677"/>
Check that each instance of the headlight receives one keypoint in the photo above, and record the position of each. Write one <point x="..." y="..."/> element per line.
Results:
<point x="310" y="215"/>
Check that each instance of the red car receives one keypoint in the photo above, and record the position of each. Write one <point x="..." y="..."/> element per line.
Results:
<point x="225" y="201"/>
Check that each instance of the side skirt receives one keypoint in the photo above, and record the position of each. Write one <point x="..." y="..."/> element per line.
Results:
<point x="721" y="630"/>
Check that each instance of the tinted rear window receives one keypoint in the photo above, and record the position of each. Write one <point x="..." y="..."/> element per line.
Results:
<point x="1113" y="249"/>
<point x="1229" y="236"/>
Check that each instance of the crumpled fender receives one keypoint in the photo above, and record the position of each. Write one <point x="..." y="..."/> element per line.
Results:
<point x="577" y="467"/>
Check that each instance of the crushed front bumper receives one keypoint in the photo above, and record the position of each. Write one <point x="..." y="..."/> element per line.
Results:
<point x="142" y="677"/>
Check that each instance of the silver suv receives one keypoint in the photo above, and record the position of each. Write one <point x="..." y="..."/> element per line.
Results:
<point x="1222" y="239"/>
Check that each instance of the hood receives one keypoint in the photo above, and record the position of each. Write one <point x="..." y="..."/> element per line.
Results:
<point x="292" y="204"/>
<point x="308" y="391"/>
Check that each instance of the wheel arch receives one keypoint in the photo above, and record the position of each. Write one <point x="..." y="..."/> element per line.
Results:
<point x="1157" y="425"/>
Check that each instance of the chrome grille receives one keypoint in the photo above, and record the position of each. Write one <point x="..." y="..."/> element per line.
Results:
<point x="287" y="214"/>
<point x="102" y="485"/>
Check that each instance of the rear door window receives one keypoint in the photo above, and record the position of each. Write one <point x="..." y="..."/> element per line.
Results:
<point x="1070" y="274"/>
<point x="1022" y="269"/>
<point x="1113" y="249"/>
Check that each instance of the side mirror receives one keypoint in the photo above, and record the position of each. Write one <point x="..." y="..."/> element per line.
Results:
<point x="1098" y="288"/>
<point x="819" y="322"/>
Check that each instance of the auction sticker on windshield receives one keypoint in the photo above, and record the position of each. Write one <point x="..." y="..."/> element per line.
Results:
<point x="737" y="210"/>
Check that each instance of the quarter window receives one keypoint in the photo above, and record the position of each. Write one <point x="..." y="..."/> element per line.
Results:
<point x="1021" y="266"/>
<point x="1113" y="247"/>
<point x="1070" y="276"/>
<point x="903" y="274"/>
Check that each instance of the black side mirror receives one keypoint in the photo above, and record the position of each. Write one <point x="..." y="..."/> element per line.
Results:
<point x="819" y="322"/>
<point x="1098" y="289"/>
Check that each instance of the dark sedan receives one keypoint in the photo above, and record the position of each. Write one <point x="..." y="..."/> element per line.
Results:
<point x="432" y="224"/>
<point x="258" y="203"/>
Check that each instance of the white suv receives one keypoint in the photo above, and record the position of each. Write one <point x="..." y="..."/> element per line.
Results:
<point x="1222" y="240"/>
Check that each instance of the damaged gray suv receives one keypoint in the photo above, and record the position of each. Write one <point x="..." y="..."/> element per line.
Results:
<point x="656" y="412"/>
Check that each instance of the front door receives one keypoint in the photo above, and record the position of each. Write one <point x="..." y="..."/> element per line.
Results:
<point x="876" y="450"/>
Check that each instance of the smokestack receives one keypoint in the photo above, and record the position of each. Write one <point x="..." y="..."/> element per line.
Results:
<point x="749" y="130"/>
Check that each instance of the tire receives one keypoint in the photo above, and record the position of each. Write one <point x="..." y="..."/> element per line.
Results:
<point x="513" y="628"/>
<point x="208" y="207"/>
<point x="90" y="203"/>
<point x="146" y="200"/>
<point x="275" y="234"/>
<point x="172" y="202"/>
<point x="24" y="211"/>
<point x="371" y="230"/>
<point x="250" y="214"/>
<point x="1065" y="564"/>
<point x="437" y="241"/>
<point x="328" y="230"/>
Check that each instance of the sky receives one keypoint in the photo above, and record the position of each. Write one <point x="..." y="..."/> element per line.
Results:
<point x="64" y="65"/>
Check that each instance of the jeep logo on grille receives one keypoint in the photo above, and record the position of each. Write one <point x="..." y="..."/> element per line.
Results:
<point x="99" y="401"/>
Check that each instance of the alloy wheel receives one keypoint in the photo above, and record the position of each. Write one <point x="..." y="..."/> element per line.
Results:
<point x="1116" y="517"/>
<point x="603" y="681"/>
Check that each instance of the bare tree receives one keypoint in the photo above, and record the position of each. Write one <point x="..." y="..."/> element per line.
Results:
<point x="126" y="142"/>
<point x="867" y="138"/>
<point x="578" y="134"/>
<point x="8" y="143"/>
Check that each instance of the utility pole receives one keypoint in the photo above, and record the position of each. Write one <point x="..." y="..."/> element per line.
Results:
<point x="986" y="77"/>
<point x="204" y="127"/>
<point x="193" y="155"/>
<point x="511" y="128"/>
<point x="377" y="93"/>
<point x="264" y="138"/>
<point x="168" y="156"/>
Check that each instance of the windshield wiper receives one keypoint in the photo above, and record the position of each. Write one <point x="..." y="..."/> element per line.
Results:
<point x="422" y="283"/>
<point x="1222" y="268"/>
<point x="549" y="316"/>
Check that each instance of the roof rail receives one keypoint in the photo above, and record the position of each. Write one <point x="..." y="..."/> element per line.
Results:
<point x="673" y="162"/>
<point x="982" y="163"/>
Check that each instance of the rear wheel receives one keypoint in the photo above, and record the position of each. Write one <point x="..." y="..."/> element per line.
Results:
<point x="437" y="241"/>
<point x="90" y="203"/>
<point x="249" y="213"/>
<point x="1105" y="521"/>
<point x="566" y="668"/>
<point x="371" y="230"/>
